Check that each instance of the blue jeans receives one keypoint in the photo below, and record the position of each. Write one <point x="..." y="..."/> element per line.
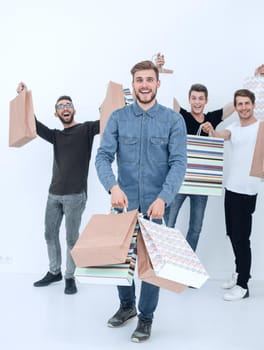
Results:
<point x="148" y="300"/>
<point x="72" y="206"/>
<point x="197" y="208"/>
<point x="149" y="294"/>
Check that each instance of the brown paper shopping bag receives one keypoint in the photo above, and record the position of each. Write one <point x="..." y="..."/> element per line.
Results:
<point x="22" y="126"/>
<point x="114" y="274"/>
<point x="105" y="240"/>
<point x="146" y="272"/>
<point x="114" y="99"/>
<point x="257" y="165"/>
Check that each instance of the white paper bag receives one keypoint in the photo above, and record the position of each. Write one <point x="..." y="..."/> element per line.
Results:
<point x="171" y="255"/>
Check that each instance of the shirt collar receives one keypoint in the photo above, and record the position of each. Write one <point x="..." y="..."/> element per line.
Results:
<point x="152" y="112"/>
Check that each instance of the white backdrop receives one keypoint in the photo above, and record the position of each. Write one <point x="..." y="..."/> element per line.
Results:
<point x="64" y="47"/>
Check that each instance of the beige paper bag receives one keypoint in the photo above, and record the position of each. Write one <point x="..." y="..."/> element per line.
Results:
<point x="115" y="274"/>
<point x="22" y="126"/>
<point x="257" y="165"/>
<point x="105" y="240"/>
<point x="114" y="99"/>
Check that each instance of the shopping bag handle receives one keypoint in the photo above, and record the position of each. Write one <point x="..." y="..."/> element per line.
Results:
<point x="115" y="211"/>
<point x="141" y="215"/>
<point x="162" y="220"/>
<point x="199" y="130"/>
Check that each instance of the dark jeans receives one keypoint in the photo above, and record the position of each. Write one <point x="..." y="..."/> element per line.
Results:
<point x="238" y="216"/>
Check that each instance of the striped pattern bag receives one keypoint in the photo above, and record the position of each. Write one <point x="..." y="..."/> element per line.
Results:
<point x="204" y="173"/>
<point x="114" y="274"/>
<point x="128" y="96"/>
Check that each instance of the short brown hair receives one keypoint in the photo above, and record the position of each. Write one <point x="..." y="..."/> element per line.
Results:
<point x="144" y="65"/>
<point x="244" y="93"/>
<point x="199" y="88"/>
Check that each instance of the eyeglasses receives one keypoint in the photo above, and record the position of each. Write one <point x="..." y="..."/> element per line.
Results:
<point x="65" y="105"/>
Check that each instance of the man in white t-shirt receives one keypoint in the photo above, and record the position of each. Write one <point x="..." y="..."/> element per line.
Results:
<point x="240" y="190"/>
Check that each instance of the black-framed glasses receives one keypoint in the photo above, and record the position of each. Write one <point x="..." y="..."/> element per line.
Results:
<point x="64" y="105"/>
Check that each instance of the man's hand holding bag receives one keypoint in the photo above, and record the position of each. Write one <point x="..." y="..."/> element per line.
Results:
<point x="22" y="126"/>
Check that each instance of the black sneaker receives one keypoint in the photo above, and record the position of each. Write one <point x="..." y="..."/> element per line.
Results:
<point x="142" y="332"/>
<point x="70" y="286"/>
<point x="122" y="315"/>
<point x="48" y="279"/>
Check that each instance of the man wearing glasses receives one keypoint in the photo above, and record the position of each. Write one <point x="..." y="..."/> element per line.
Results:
<point x="67" y="196"/>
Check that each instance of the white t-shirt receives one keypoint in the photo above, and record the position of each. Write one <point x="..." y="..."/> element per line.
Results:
<point x="242" y="142"/>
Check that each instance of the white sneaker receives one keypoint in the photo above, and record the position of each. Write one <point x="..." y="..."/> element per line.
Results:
<point x="231" y="282"/>
<point x="236" y="293"/>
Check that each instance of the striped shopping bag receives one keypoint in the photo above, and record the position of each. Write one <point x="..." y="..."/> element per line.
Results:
<point x="205" y="159"/>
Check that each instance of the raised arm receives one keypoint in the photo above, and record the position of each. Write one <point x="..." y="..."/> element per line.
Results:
<point x="260" y="71"/>
<point x="208" y="128"/>
<point x="42" y="130"/>
<point x="21" y="86"/>
<point x="228" y="109"/>
<point x="160" y="61"/>
<point x="176" y="105"/>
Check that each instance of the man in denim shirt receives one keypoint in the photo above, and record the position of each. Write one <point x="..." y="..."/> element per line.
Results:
<point x="149" y="141"/>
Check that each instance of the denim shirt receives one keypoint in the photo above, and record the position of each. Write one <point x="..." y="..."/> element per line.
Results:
<point x="150" y="150"/>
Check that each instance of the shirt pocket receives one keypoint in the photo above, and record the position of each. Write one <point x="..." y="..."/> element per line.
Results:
<point x="128" y="149"/>
<point x="158" y="149"/>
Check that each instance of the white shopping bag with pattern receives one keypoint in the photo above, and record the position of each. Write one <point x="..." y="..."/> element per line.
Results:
<point x="171" y="255"/>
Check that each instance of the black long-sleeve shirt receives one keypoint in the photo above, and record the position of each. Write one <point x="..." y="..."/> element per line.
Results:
<point x="72" y="149"/>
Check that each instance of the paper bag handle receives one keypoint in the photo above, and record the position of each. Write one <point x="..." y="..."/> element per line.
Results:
<point x="114" y="211"/>
<point x="199" y="130"/>
<point x="162" y="221"/>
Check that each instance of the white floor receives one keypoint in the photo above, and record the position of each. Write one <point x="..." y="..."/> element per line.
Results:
<point x="46" y="318"/>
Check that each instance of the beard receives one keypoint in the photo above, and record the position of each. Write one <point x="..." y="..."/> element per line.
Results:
<point x="152" y="97"/>
<point x="69" y="121"/>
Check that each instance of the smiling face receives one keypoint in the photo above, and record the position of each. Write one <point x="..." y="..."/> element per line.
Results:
<point x="145" y="86"/>
<point x="197" y="102"/>
<point x="65" y="112"/>
<point x="245" y="109"/>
